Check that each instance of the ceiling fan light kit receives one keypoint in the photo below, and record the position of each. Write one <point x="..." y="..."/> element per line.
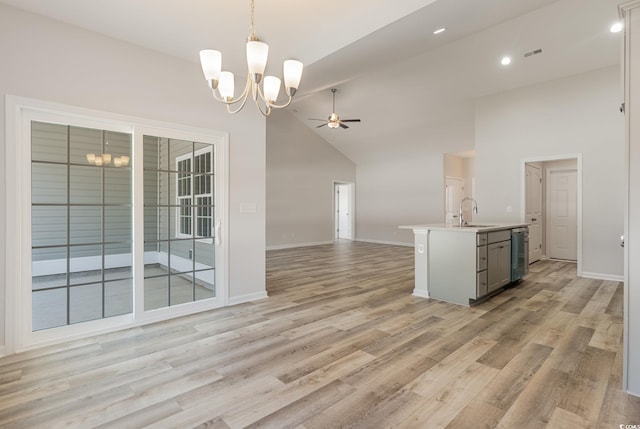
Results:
<point x="334" y="120"/>
<point x="266" y="96"/>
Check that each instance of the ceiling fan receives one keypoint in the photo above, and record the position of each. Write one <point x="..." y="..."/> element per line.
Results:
<point x="334" y="120"/>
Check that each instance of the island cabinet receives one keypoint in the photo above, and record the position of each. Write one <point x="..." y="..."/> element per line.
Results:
<point x="464" y="266"/>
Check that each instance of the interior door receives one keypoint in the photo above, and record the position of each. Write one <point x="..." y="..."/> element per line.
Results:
<point x="453" y="194"/>
<point x="343" y="211"/>
<point x="533" y="210"/>
<point x="562" y="225"/>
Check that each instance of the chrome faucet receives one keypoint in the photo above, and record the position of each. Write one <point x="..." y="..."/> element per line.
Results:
<point x="475" y="210"/>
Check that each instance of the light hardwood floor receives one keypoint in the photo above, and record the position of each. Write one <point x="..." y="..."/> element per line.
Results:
<point x="342" y="343"/>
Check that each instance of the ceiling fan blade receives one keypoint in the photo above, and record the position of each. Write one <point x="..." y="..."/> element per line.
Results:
<point x="343" y="125"/>
<point x="314" y="119"/>
<point x="350" y="120"/>
<point x="322" y="125"/>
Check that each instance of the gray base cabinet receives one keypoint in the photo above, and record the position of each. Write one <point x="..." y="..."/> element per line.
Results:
<point x="466" y="266"/>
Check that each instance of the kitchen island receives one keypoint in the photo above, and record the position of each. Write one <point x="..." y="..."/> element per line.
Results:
<point x="465" y="264"/>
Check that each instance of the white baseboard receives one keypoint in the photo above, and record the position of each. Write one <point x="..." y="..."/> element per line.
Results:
<point x="393" y="243"/>
<point x="234" y="300"/>
<point x="2" y="351"/>
<point x="600" y="276"/>
<point x="420" y="293"/>
<point x="294" y="245"/>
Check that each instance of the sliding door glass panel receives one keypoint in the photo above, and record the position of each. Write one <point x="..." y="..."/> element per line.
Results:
<point x="49" y="308"/>
<point x="81" y="224"/>
<point x="179" y="222"/>
<point x="118" y="297"/>
<point x="85" y="302"/>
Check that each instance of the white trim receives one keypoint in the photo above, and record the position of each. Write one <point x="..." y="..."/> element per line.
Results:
<point x="19" y="112"/>
<point x="294" y="245"/>
<point x="392" y="243"/>
<point x="2" y="351"/>
<point x="548" y="158"/>
<point x="235" y="300"/>
<point x="602" y="276"/>
<point x="352" y="208"/>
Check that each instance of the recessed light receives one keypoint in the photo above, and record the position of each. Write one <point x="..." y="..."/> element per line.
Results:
<point x="505" y="61"/>
<point x="439" y="30"/>
<point x="616" y="28"/>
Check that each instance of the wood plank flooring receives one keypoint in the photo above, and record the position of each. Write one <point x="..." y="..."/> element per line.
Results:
<point x="342" y="343"/>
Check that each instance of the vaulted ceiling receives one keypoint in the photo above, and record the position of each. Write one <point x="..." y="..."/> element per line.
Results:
<point x="390" y="69"/>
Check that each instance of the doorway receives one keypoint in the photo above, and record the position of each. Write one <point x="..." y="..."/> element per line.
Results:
<point x="552" y="194"/>
<point x="453" y="195"/>
<point x="344" y="205"/>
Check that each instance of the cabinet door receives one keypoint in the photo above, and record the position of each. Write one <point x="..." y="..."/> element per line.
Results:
<point x="498" y="265"/>
<point x="493" y="270"/>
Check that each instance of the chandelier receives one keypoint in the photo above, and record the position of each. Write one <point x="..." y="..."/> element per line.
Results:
<point x="266" y="96"/>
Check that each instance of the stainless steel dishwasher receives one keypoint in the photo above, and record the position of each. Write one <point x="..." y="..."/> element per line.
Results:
<point x="519" y="253"/>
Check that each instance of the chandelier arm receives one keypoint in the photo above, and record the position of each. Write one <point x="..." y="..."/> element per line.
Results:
<point x="266" y="112"/>
<point x="274" y="105"/>
<point x="243" y="97"/>
<point x="281" y="106"/>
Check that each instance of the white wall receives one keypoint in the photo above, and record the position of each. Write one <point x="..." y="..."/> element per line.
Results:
<point x="48" y="60"/>
<point x="404" y="183"/>
<point x="301" y="168"/>
<point x="576" y="115"/>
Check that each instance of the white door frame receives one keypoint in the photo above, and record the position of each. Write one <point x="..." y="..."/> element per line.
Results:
<point x="578" y="158"/>
<point x="352" y="206"/>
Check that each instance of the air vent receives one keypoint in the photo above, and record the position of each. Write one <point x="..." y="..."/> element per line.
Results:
<point x="532" y="53"/>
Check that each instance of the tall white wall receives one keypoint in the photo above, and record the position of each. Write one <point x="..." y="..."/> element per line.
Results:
<point x="404" y="183"/>
<point x="301" y="169"/>
<point x="47" y="60"/>
<point x="576" y="115"/>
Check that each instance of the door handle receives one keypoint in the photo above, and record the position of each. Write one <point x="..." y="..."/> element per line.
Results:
<point x="533" y="219"/>
<point x="622" y="241"/>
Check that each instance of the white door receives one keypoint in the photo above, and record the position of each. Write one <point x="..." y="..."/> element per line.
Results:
<point x="533" y="210"/>
<point x="453" y="195"/>
<point x="343" y="200"/>
<point x="562" y="225"/>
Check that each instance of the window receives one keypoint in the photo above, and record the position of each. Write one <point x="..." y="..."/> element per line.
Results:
<point x="194" y="223"/>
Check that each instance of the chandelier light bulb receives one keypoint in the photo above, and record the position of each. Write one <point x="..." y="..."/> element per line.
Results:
<point x="211" y="62"/>
<point x="226" y="85"/>
<point x="271" y="88"/>
<point x="292" y="75"/>
<point x="257" y="54"/>
<point x="91" y="158"/>
<point x="124" y="160"/>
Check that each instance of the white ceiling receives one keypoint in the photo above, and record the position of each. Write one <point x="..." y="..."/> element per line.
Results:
<point x="391" y="71"/>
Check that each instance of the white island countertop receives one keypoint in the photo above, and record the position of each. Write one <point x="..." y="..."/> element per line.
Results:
<point x="473" y="227"/>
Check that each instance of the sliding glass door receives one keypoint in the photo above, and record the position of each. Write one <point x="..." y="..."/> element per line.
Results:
<point x="117" y="223"/>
